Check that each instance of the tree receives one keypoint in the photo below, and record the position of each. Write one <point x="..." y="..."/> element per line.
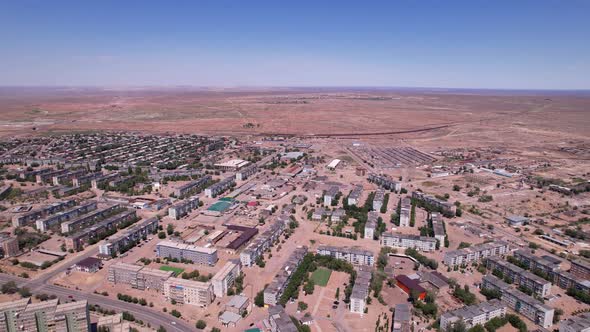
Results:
<point x="259" y="299"/>
<point x="170" y="229"/>
<point x="24" y="292"/>
<point x="9" y="287"/>
<point x="201" y="324"/>
<point x="161" y="235"/>
<point x="301" y="306"/>
<point x="309" y="287"/>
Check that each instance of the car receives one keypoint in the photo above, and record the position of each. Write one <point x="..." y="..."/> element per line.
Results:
<point x="173" y="323"/>
<point x="70" y="297"/>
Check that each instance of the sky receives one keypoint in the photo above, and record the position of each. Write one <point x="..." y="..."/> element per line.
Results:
<point x="449" y="44"/>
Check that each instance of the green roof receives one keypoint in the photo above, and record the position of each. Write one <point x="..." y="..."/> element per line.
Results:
<point x="219" y="206"/>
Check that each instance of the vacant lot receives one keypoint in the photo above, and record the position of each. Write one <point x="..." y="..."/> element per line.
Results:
<point x="321" y="276"/>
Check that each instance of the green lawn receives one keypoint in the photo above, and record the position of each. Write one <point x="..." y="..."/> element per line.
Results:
<point x="177" y="270"/>
<point x="321" y="276"/>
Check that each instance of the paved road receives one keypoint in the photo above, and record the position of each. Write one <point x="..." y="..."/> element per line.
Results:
<point x="148" y="315"/>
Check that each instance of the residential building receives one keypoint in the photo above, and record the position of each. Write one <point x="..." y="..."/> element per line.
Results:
<point x="72" y="317"/>
<point x="330" y="195"/>
<point x="517" y="221"/>
<point x="521" y="277"/>
<point x="518" y="301"/>
<point x="475" y="253"/>
<point x="88" y="219"/>
<point x="473" y="315"/>
<point x="54" y="221"/>
<point x="191" y="292"/>
<point x="337" y="215"/>
<point x="30" y="217"/>
<point x="402" y="318"/>
<point x="355" y="195"/>
<point x="535" y="263"/>
<point x="371" y="225"/>
<point x="385" y="182"/>
<point x="138" y="277"/>
<point x="580" y="268"/>
<point x="217" y="188"/>
<point x="578" y="323"/>
<point x="438" y="227"/>
<point x="378" y="200"/>
<point x="250" y="254"/>
<point x="405" y="211"/>
<point x="192" y="186"/>
<point x="8" y="245"/>
<point x="360" y="291"/>
<point x="129" y="236"/>
<point x="224" y="278"/>
<point x="274" y="290"/>
<point x="246" y="172"/>
<point x="10" y="312"/>
<point x="279" y="320"/>
<point x="23" y="315"/>
<point x="188" y="252"/>
<point x="434" y="203"/>
<point x="355" y="256"/>
<point x="183" y="208"/>
<point x="421" y="243"/>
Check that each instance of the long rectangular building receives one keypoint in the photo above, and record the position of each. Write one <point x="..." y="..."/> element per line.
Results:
<point x="191" y="292"/>
<point x="518" y="301"/>
<point x="224" y="278"/>
<point x="475" y="253"/>
<point x="273" y="292"/>
<point x="30" y="217"/>
<point x="219" y="187"/>
<point x="181" y="251"/>
<point x="54" y="221"/>
<point x="23" y="315"/>
<point x="77" y="240"/>
<point x="444" y="207"/>
<point x="422" y="243"/>
<point x="360" y="290"/>
<point x="88" y="219"/>
<point x="138" y="277"/>
<point x="191" y="187"/>
<point x="472" y="315"/>
<point x="250" y="254"/>
<point x="519" y="276"/>
<point x="385" y="182"/>
<point x="355" y="256"/>
<point x="134" y="233"/>
<point x="183" y="208"/>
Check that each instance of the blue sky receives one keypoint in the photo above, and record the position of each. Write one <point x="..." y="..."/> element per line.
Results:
<point x="467" y="44"/>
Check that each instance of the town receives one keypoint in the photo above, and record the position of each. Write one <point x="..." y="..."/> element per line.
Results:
<point x="127" y="231"/>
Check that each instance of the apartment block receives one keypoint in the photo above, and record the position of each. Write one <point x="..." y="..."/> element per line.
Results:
<point x="73" y="316"/>
<point x="93" y="232"/>
<point x="475" y="253"/>
<point x="371" y="225"/>
<point x="23" y="315"/>
<point x="181" y="251"/>
<point x="385" y="182"/>
<point x="521" y="277"/>
<point x="183" y="208"/>
<point x="378" y="200"/>
<point x="518" y="301"/>
<point x="246" y="172"/>
<point x="330" y="195"/>
<point x="192" y="187"/>
<point x="438" y="227"/>
<point x="30" y="217"/>
<point x="405" y="211"/>
<point x="130" y="235"/>
<point x="189" y="292"/>
<point x="440" y="205"/>
<point x="580" y="268"/>
<point x="473" y="315"/>
<point x="54" y="221"/>
<point x="8" y="246"/>
<point x="224" y="278"/>
<point x="355" y="195"/>
<point x="402" y="318"/>
<point x="138" y="277"/>
<point x="273" y="292"/>
<point x="534" y="263"/>
<point x="360" y="291"/>
<point x="101" y="181"/>
<point x="218" y="188"/>
<point x="250" y="254"/>
<point x="421" y="243"/>
<point x="355" y="256"/>
<point x="578" y="323"/>
<point x="88" y="219"/>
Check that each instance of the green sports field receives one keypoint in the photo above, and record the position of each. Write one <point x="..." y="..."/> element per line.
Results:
<point x="321" y="276"/>
<point x="177" y="270"/>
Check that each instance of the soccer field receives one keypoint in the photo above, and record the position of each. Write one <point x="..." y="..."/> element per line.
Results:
<point x="321" y="276"/>
<point x="177" y="270"/>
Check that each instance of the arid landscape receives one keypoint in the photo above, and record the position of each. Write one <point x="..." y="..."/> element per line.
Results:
<point x="480" y="117"/>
